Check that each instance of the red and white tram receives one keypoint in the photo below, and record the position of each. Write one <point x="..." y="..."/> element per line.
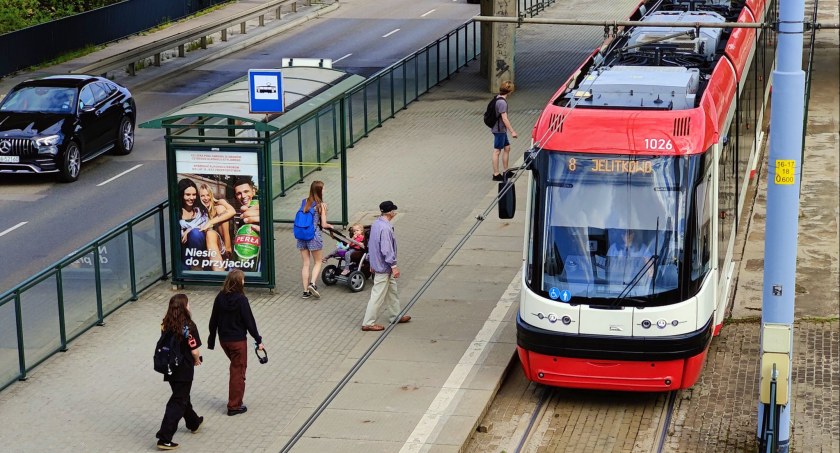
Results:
<point x="646" y="155"/>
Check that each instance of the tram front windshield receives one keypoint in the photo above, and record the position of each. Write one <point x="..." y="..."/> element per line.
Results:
<point x="614" y="227"/>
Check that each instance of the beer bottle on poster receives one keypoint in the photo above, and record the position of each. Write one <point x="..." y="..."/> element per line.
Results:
<point x="246" y="244"/>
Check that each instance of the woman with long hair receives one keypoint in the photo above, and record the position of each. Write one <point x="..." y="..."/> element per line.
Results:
<point x="217" y="229"/>
<point x="233" y="320"/>
<point x="178" y="322"/>
<point x="193" y="216"/>
<point x="311" y="250"/>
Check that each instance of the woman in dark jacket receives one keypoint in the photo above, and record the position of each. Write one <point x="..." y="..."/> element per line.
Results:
<point x="232" y="318"/>
<point x="179" y="322"/>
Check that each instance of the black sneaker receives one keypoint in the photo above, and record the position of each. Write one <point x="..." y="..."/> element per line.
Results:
<point x="498" y="177"/>
<point x="164" y="445"/>
<point x="509" y="174"/>
<point x="200" y="421"/>
<point x="314" y="290"/>
<point x="306" y="295"/>
<point x="241" y="410"/>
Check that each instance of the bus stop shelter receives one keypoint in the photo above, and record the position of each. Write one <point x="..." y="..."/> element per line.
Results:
<point x="216" y="143"/>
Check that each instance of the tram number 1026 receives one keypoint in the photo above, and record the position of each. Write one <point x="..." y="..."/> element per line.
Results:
<point x="659" y="144"/>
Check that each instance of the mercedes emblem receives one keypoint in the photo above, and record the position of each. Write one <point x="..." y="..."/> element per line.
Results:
<point x="5" y="146"/>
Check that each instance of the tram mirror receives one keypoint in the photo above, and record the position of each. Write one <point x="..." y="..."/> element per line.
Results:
<point x="507" y="199"/>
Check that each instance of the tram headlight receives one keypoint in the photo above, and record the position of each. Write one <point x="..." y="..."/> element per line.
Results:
<point x="661" y="323"/>
<point x="675" y="323"/>
<point x="552" y="318"/>
<point x="566" y="320"/>
<point x="646" y="324"/>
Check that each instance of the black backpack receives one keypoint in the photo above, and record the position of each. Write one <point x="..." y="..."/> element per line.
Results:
<point x="491" y="117"/>
<point x="168" y="356"/>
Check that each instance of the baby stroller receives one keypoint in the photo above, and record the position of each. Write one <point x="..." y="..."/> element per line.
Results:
<point x="351" y="255"/>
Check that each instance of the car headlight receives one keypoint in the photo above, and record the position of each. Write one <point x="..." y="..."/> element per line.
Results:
<point x="48" y="144"/>
<point x="49" y="140"/>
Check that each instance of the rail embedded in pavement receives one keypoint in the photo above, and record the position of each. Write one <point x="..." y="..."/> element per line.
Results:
<point x="180" y="40"/>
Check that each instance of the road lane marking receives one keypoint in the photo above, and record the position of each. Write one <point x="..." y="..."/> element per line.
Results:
<point x="115" y="177"/>
<point x="8" y="230"/>
<point x="390" y="33"/>
<point x="336" y="61"/>
<point x="428" y="12"/>
<point x="452" y="391"/>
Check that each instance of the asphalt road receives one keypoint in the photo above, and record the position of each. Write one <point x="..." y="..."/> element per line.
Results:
<point x="42" y="221"/>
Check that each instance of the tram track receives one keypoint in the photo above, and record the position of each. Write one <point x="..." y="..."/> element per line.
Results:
<point x="526" y="417"/>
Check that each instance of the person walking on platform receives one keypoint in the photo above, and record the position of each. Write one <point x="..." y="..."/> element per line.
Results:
<point x="233" y="319"/>
<point x="501" y="144"/>
<point x="311" y="251"/>
<point x="382" y="250"/>
<point x="178" y="321"/>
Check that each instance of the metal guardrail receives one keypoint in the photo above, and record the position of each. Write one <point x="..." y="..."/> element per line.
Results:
<point x="180" y="40"/>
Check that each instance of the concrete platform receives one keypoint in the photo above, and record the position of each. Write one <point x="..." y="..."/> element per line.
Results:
<point x="429" y="382"/>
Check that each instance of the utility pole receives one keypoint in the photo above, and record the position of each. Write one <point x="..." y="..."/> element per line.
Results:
<point x="502" y="41"/>
<point x="780" y="243"/>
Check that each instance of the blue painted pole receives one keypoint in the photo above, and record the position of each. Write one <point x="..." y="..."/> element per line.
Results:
<point x="784" y="178"/>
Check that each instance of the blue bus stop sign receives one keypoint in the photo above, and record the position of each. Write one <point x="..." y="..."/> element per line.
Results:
<point x="265" y="91"/>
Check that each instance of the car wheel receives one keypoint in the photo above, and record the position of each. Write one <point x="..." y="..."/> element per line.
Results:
<point x="357" y="281"/>
<point x="328" y="275"/>
<point x="125" y="137"/>
<point x="71" y="163"/>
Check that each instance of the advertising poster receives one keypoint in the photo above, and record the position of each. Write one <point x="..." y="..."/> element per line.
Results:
<point x="217" y="209"/>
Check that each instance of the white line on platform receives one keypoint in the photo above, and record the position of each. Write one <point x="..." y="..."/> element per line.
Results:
<point x="390" y="33"/>
<point x="8" y="230"/>
<point x="428" y="12"/>
<point x="336" y="61"/>
<point x="437" y="412"/>
<point x="115" y="177"/>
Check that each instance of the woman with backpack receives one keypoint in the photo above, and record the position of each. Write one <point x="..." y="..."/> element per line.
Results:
<point x="310" y="219"/>
<point x="178" y="322"/>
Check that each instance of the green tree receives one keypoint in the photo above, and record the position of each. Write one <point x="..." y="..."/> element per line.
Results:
<point x="18" y="14"/>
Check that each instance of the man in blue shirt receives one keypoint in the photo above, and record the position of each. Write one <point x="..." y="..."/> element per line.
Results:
<point x="382" y="253"/>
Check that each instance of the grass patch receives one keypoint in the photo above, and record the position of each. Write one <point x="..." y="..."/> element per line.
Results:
<point x="66" y="57"/>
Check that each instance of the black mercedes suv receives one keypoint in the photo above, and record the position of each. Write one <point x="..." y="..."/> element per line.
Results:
<point x="54" y="124"/>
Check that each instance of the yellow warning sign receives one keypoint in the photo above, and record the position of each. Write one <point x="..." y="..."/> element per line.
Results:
<point x="785" y="172"/>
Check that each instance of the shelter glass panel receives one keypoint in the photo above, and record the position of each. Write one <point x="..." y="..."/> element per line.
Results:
<point x="39" y="313"/>
<point x="78" y="284"/>
<point x="385" y="95"/>
<point x="443" y="56"/>
<point x="327" y="132"/>
<point x="167" y="243"/>
<point x="9" y="365"/>
<point x="114" y="271"/>
<point x="452" y="43"/>
<point x="411" y="79"/>
<point x="309" y="145"/>
<point x="399" y="85"/>
<point x="374" y="116"/>
<point x="291" y="158"/>
<point x="147" y="259"/>
<point x="423" y="71"/>
<point x="433" y="65"/>
<point x="473" y="38"/>
<point x="357" y="118"/>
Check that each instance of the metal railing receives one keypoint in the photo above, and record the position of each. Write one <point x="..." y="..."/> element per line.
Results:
<point x="181" y="40"/>
<point x="41" y="315"/>
<point x="317" y="137"/>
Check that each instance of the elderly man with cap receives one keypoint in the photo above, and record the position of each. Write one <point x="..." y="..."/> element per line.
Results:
<point x="382" y="250"/>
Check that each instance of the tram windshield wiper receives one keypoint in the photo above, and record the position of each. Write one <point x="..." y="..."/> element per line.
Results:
<point x="622" y="296"/>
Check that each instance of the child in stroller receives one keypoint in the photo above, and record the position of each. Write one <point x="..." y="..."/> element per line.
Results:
<point x="351" y="256"/>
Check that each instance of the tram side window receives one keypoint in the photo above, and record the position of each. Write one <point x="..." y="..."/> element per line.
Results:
<point x="701" y="245"/>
